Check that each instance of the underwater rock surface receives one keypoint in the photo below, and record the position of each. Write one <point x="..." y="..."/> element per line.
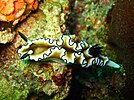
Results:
<point x="122" y="40"/>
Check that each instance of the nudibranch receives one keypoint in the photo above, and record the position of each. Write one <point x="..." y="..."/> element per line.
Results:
<point x="66" y="50"/>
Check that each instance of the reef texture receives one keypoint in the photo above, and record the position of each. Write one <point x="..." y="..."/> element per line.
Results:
<point x="90" y="20"/>
<point x="6" y="36"/>
<point x="26" y="77"/>
<point x="48" y="22"/>
<point x="6" y="32"/>
<point x="91" y="23"/>
<point x="15" y="10"/>
<point x="85" y="19"/>
<point x="12" y="12"/>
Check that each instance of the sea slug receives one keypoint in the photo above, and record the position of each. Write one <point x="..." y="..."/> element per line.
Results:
<point x="66" y="50"/>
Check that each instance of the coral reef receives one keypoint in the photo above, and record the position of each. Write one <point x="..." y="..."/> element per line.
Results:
<point x="6" y="32"/>
<point x="12" y="83"/>
<point x="51" y="78"/>
<point x="55" y="79"/>
<point x="15" y="10"/>
<point x="90" y="19"/>
<point x="101" y="83"/>
<point x="86" y="20"/>
<point x="90" y="23"/>
<point x="12" y="12"/>
<point x="6" y="36"/>
<point x="47" y="23"/>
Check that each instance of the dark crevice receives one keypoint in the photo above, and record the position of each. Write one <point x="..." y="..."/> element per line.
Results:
<point x="70" y="23"/>
<point x="75" y="92"/>
<point x="121" y="35"/>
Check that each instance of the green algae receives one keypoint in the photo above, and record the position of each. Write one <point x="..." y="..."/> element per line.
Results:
<point x="22" y="77"/>
<point x="48" y="21"/>
<point x="13" y="86"/>
<point x="91" y="25"/>
<point x="10" y="92"/>
<point x="93" y="18"/>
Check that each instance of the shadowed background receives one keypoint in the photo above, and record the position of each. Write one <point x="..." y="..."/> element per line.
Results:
<point x="122" y="39"/>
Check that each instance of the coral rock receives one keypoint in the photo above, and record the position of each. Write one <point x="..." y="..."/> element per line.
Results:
<point x="6" y="36"/>
<point x="12" y="10"/>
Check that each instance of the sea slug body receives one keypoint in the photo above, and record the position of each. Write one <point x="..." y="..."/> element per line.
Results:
<point x="64" y="49"/>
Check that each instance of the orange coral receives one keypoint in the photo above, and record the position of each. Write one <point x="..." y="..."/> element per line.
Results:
<point x="48" y="0"/>
<point x="6" y="7"/>
<point x="19" y="8"/>
<point x="29" y="1"/>
<point x="32" y="4"/>
<point x="10" y="10"/>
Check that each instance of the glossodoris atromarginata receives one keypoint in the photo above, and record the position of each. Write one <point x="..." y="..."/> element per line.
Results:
<point x="66" y="50"/>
